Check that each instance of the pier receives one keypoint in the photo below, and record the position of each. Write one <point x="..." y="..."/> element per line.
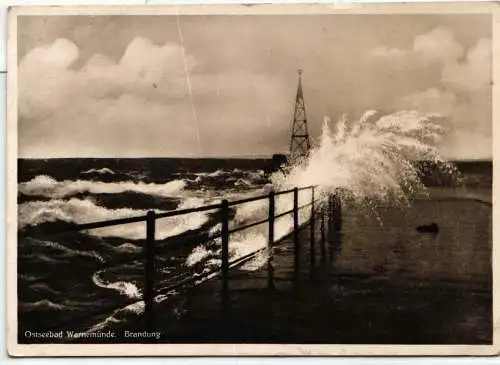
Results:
<point x="338" y="277"/>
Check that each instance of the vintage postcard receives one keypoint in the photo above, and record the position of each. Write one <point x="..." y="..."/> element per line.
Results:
<point x="252" y="180"/>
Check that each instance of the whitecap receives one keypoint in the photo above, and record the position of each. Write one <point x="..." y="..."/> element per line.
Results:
<point x="43" y="304"/>
<point x="47" y="186"/>
<point x="67" y="252"/>
<point x="102" y="171"/>
<point x="123" y="287"/>
<point x="128" y="248"/>
<point x="82" y="211"/>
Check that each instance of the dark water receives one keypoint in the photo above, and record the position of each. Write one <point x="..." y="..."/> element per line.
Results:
<point x="78" y="280"/>
<point x="89" y="280"/>
<point x="459" y="253"/>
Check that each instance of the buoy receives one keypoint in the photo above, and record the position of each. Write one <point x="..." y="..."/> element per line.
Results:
<point x="429" y="228"/>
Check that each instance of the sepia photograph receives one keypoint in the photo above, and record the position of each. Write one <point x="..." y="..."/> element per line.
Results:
<point x="246" y="177"/>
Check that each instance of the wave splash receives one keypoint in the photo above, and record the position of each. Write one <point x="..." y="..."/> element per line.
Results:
<point x="368" y="161"/>
<point x="373" y="158"/>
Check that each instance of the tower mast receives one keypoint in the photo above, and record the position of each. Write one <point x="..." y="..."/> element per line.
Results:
<point x="300" y="142"/>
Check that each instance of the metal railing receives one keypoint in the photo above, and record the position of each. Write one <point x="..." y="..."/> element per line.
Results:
<point x="150" y="290"/>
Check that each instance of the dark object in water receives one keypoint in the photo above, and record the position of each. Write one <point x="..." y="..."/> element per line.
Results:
<point x="429" y="228"/>
<point x="278" y="160"/>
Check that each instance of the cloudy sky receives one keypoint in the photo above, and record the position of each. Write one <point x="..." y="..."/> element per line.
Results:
<point x="115" y="86"/>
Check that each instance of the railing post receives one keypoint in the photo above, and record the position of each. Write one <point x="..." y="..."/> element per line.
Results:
<point x="149" y="271"/>
<point x="270" y="242"/>
<point x="296" y="247"/>
<point x="323" y="237"/>
<point x="337" y="223"/>
<point x="225" y="256"/>
<point x="312" y="235"/>
<point x="330" y="213"/>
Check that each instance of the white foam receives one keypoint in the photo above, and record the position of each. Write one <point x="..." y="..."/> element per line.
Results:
<point x="106" y="322"/>
<point x="43" y="304"/>
<point x="128" y="248"/>
<point x="215" y="173"/>
<point x="81" y="211"/>
<point x="136" y="308"/>
<point x="73" y="210"/>
<point x="242" y="183"/>
<point x="46" y="186"/>
<point x="68" y="252"/>
<point x="102" y="171"/>
<point x="198" y="254"/>
<point x="123" y="287"/>
<point x="369" y="160"/>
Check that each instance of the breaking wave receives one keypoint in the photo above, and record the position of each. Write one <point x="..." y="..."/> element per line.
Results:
<point x="81" y="211"/>
<point x="43" y="304"/>
<point x="62" y="250"/>
<point x="46" y="186"/>
<point x="128" y="248"/>
<point x="123" y="287"/>
<point x="368" y="161"/>
<point x="119" y="315"/>
<point x="102" y="171"/>
<point x="372" y="159"/>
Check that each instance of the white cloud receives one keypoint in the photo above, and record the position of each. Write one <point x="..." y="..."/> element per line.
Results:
<point x="439" y="45"/>
<point x="472" y="74"/>
<point x="461" y="93"/>
<point x="430" y="100"/>
<point x="45" y="79"/>
<point x="138" y="105"/>
<point x="62" y="53"/>
<point x="145" y="69"/>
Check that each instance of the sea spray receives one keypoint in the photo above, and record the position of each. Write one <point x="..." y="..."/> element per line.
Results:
<point x="373" y="160"/>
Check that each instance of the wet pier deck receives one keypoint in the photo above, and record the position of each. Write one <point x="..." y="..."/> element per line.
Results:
<point x="393" y="286"/>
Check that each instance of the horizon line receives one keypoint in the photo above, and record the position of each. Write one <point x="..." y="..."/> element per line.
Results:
<point x="267" y="156"/>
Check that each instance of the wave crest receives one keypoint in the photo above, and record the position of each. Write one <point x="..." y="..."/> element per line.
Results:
<point x="43" y="185"/>
<point x="123" y="287"/>
<point x="102" y="171"/>
<point x="80" y="211"/>
<point x="43" y="304"/>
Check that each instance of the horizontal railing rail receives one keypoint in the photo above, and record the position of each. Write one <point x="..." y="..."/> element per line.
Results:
<point x="171" y="213"/>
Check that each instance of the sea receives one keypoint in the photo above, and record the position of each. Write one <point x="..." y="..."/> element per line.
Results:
<point x="73" y="280"/>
